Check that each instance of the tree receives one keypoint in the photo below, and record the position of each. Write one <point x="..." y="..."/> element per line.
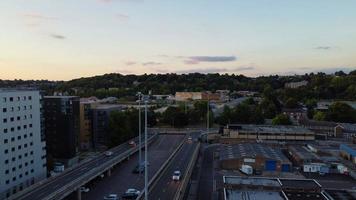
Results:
<point x="291" y="103"/>
<point x="281" y="119"/>
<point x="319" y="116"/>
<point x="341" y="112"/>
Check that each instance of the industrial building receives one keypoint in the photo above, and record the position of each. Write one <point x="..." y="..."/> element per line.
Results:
<point x="348" y="152"/>
<point x="263" y="188"/>
<point x="300" y="155"/>
<point x="258" y="156"/>
<point x="234" y="133"/>
<point x="322" y="129"/>
<point x="86" y="123"/>
<point x="22" y="148"/>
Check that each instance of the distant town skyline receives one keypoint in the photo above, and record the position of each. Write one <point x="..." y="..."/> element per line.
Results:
<point x="63" y="40"/>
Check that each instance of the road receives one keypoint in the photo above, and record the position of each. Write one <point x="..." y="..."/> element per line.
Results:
<point x="207" y="181"/>
<point x="165" y="187"/>
<point x="59" y="182"/>
<point x="122" y="177"/>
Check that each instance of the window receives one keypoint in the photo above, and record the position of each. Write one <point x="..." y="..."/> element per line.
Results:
<point x="7" y="171"/>
<point x="14" y="169"/>
<point x="24" y="98"/>
<point x="20" y="157"/>
<point x="32" y="170"/>
<point x="26" y="154"/>
<point x="5" y="130"/>
<point x="11" y="98"/>
<point x="6" y="141"/>
<point x="24" y="107"/>
<point x="4" y="99"/>
<point x="7" y="182"/>
<point x="13" y="149"/>
<point x="19" y="147"/>
<point x="26" y="173"/>
<point x="25" y="136"/>
<point x="12" y="139"/>
<point x="30" y="125"/>
<point x="12" y="129"/>
<point x="30" y="107"/>
<point x="4" y="110"/>
<point x="18" y="98"/>
<point x="6" y="161"/>
<point x="18" y="118"/>
<point x="29" y="97"/>
<point x="25" y="126"/>
<point x="31" y="161"/>
<point x="6" y="151"/>
<point x="18" y="108"/>
<point x="4" y="120"/>
<point x="19" y="128"/>
<point x="12" y="119"/>
<point x="13" y="159"/>
<point x="26" y="163"/>
<point x="19" y="137"/>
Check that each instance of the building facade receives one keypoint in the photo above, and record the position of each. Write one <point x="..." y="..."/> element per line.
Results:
<point x="22" y="149"/>
<point x="101" y="116"/>
<point x="62" y="128"/>
<point x="86" y="123"/>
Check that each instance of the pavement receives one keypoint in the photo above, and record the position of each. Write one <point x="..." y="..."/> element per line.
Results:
<point x="122" y="177"/>
<point x="165" y="187"/>
<point x="59" y="182"/>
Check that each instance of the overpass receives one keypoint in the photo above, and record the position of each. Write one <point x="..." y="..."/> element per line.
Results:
<point x="59" y="187"/>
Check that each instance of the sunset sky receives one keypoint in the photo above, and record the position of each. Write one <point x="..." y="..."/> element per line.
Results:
<point x="66" y="39"/>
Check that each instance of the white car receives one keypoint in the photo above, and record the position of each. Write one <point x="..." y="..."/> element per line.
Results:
<point x="84" y="189"/>
<point x="108" y="153"/>
<point x="111" y="197"/>
<point x="131" y="194"/>
<point x="176" y="175"/>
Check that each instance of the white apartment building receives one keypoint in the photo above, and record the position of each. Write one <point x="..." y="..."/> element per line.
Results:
<point x="22" y="146"/>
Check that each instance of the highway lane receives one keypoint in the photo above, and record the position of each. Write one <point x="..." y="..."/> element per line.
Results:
<point x="122" y="177"/>
<point x="165" y="187"/>
<point x="54" y="184"/>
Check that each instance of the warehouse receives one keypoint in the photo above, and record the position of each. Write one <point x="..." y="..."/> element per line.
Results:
<point x="238" y="132"/>
<point x="348" y="152"/>
<point x="300" y="155"/>
<point x="258" y="156"/>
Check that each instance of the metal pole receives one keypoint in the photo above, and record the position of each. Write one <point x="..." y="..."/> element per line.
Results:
<point x="146" y="150"/>
<point x="207" y="116"/>
<point x="139" y="131"/>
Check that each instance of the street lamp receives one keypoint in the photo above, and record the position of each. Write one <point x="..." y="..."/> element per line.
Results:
<point x="146" y="150"/>
<point x="139" y="94"/>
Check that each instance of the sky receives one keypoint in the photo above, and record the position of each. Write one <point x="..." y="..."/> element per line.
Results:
<point x="67" y="39"/>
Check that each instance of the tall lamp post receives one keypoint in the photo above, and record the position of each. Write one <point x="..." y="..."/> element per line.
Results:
<point x="207" y="116"/>
<point x="139" y="94"/>
<point x="146" y="150"/>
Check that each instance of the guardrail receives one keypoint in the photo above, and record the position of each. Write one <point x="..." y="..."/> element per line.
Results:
<point x="161" y="170"/>
<point x="93" y="173"/>
<point x="184" y="184"/>
<point x="75" y="184"/>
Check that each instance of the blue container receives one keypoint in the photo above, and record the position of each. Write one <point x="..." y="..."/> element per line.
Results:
<point x="285" y="167"/>
<point x="271" y="165"/>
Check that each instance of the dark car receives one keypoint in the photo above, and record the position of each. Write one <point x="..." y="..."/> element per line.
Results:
<point x="139" y="169"/>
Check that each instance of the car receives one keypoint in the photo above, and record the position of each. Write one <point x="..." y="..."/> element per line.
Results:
<point x="84" y="189"/>
<point x="176" y="175"/>
<point x="108" y="153"/>
<point x="111" y="197"/>
<point x="132" y="143"/>
<point x="131" y="194"/>
<point x="139" y="169"/>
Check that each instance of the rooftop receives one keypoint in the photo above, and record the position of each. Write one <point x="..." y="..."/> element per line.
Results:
<point x="107" y="106"/>
<point x="236" y="180"/>
<point x="251" y="150"/>
<point x="231" y="194"/>
<point x="303" y="153"/>
<point x="305" y="184"/>
<point x="253" y="128"/>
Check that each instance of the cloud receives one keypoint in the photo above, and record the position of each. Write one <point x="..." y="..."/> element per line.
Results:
<point x="129" y="63"/>
<point x="110" y="1"/>
<point x="151" y="63"/>
<point x="323" y="48"/>
<point x="216" y="70"/>
<point x="39" y="16"/>
<point x="197" y="59"/>
<point x="59" y="37"/>
<point x="122" y="17"/>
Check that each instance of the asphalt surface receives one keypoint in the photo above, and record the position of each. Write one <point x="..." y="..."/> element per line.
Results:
<point x="165" y="187"/>
<point x="207" y="181"/>
<point x="55" y="184"/>
<point x="122" y="177"/>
